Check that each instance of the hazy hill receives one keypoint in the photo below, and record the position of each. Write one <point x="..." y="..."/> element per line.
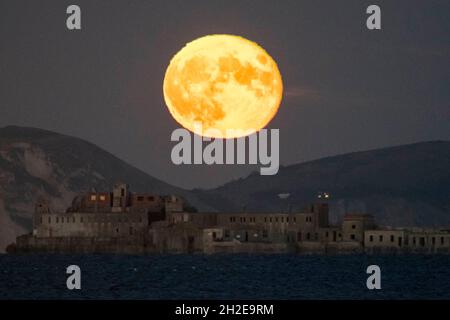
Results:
<point x="35" y="162"/>
<point x="402" y="186"/>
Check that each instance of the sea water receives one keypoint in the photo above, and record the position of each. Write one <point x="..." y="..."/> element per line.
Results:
<point x="224" y="277"/>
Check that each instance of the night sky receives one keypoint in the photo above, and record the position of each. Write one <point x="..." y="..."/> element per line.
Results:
<point x="346" y="88"/>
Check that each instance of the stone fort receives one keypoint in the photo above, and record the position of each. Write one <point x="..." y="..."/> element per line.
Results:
<point x="137" y="223"/>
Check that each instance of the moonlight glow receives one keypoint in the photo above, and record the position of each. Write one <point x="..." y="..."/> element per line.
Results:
<point x="223" y="82"/>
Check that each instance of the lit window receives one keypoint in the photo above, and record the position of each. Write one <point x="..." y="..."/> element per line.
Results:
<point x="102" y="198"/>
<point x="93" y="197"/>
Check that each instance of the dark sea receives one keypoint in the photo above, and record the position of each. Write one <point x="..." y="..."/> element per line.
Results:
<point x="224" y="277"/>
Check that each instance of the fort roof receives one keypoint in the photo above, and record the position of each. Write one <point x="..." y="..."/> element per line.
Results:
<point x="357" y="216"/>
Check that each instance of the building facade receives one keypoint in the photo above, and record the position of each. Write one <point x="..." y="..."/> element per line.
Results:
<point x="122" y="221"/>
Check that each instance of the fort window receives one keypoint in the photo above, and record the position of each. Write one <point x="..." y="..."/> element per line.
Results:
<point x="287" y="219"/>
<point x="433" y="240"/>
<point x="140" y="198"/>
<point x="81" y="219"/>
<point x="40" y="220"/>
<point x="265" y="219"/>
<point x="371" y="238"/>
<point x="340" y="235"/>
<point x="352" y="236"/>
<point x="227" y="233"/>
<point x="282" y="219"/>
<point x="422" y="241"/>
<point x="353" y="226"/>
<point x="299" y="236"/>
<point x="231" y="219"/>
<point x="326" y="234"/>
<point x="131" y="230"/>
<point x="381" y="238"/>
<point x="93" y="197"/>
<point x="265" y="234"/>
<point x="49" y="220"/>
<point x="270" y="219"/>
<point x="295" y="219"/>
<point x="442" y="240"/>
<point x="117" y="230"/>
<point x="392" y="238"/>
<point x="308" y="236"/>
<point x="276" y="219"/>
<point x="57" y="219"/>
<point x="414" y="240"/>
<point x="151" y="199"/>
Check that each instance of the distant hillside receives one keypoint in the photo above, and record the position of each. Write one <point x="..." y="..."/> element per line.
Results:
<point x="35" y="162"/>
<point x="402" y="186"/>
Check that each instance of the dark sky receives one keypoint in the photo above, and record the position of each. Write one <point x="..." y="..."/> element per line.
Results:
<point x="346" y="88"/>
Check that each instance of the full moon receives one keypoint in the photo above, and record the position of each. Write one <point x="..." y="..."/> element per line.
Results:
<point x="228" y="85"/>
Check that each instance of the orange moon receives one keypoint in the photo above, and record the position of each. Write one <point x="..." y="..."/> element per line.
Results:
<point x="228" y="85"/>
